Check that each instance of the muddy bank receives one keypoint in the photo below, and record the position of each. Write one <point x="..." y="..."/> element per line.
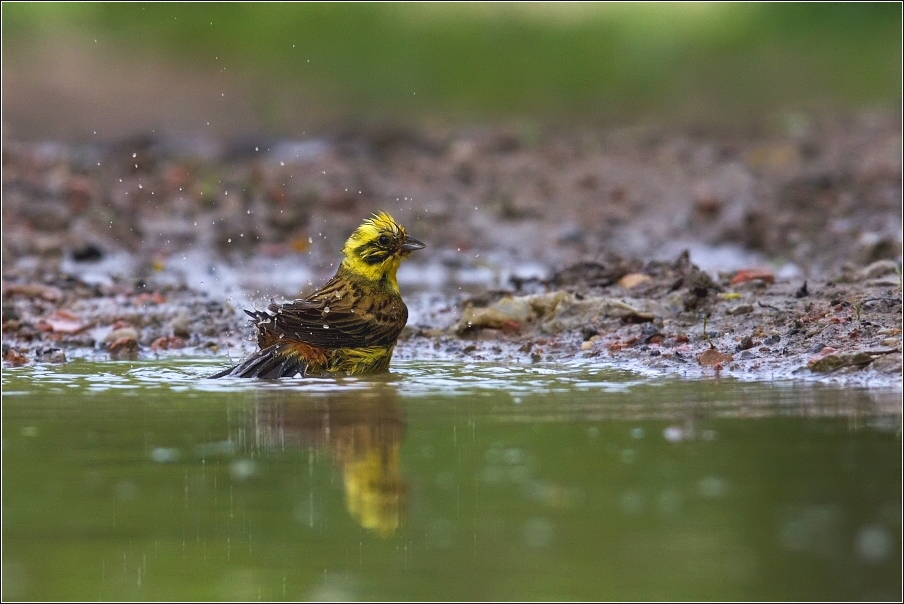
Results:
<point x="673" y="318"/>
<point x="663" y="317"/>
<point x="544" y="245"/>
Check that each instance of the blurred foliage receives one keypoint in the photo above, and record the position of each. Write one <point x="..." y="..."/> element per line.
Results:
<point x="489" y="60"/>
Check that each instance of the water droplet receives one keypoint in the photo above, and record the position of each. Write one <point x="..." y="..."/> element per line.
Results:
<point x="873" y="543"/>
<point x="514" y="456"/>
<point x="164" y="455"/>
<point x="673" y="434"/>
<point x="242" y="469"/>
<point x="711" y="487"/>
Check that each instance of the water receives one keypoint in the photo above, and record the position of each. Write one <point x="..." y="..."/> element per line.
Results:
<point x="445" y="481"/>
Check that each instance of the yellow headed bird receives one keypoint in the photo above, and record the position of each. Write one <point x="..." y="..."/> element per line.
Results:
<point x="350" y="325"/>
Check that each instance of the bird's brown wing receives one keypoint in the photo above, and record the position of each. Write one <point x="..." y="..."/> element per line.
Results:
<point x="340" y="315"/>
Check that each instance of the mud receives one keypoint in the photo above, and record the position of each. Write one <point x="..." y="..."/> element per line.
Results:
<point x="545" y="244"/>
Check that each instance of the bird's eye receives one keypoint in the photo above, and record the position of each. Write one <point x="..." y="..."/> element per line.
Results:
<point x="383" y="240"/>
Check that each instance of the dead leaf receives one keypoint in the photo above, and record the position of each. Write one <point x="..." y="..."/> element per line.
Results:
<point x="633" y="280"/>
<point x="121" y="333"/>
<point x="124" y="348"/>
<point x="14" y="357"/>
<point x="32" y="290"/>
<point x="167" y="343"/>
<point x="711" y="357"/>
<point x="148" y="298"/>
<point x="63" y="321"/>
<point x="752" y="274"/>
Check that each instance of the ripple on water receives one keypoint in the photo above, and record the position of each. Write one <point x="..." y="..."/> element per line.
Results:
<point x="524" y="391"/>
<point x="409" y="378"/>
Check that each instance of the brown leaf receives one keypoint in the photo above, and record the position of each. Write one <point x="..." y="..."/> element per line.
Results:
<point x="751" y="274"/>
<point x="63" y="321"/>
<point x="167" y="343"/>
<point x="148" y="298"/>
<point x="633" y="280"/>
<point x="711" y="357"/>
<point x="123" y="348"/>
<point x="14" y="357"/>
<point x="32" y="290"/>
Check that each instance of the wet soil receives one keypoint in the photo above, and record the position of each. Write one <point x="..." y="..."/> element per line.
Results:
<point x="544" y="244"/>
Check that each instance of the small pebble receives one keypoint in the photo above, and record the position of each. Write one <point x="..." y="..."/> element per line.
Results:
<point x="129" y="333"/>
<point x="180" y="326"/>
<point x="50" y="355"/>
<point x="741" y="309"/>
<point x="746" y="343"/>
<point x="879" y="268"/>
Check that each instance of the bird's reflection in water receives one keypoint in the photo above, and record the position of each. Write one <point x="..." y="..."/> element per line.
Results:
<point x="362" y="432"/>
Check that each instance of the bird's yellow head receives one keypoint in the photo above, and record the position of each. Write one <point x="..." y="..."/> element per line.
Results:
<point x="376" y="249"/>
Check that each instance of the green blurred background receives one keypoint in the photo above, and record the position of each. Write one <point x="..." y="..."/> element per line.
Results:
<point x="225" y="69"/>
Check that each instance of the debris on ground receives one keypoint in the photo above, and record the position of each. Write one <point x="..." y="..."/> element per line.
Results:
<point x="145" y="248"/>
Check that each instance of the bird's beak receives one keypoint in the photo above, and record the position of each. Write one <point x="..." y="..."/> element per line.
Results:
<point x="409" y="245"/>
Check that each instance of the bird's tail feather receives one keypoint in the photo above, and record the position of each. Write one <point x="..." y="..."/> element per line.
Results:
<point x="270" y="363"/>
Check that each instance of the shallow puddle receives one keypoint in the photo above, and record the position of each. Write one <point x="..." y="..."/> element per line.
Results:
<point x="445" y="481"/>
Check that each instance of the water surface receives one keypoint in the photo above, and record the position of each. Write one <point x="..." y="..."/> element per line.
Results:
<point x="445" y="481"/>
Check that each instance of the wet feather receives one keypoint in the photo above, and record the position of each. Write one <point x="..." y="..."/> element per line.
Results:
<point x="350" y="325"/>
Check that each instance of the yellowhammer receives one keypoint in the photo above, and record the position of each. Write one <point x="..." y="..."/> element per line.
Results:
<point x="350" y="325"/>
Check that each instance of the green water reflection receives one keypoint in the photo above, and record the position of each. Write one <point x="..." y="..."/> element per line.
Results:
<point x="443" y="481"/>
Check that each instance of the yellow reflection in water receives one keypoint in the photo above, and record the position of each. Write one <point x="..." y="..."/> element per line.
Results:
<point x="362" y="431"/>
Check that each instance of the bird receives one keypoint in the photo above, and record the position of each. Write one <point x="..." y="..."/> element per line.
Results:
<point x="347" y="327"/>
